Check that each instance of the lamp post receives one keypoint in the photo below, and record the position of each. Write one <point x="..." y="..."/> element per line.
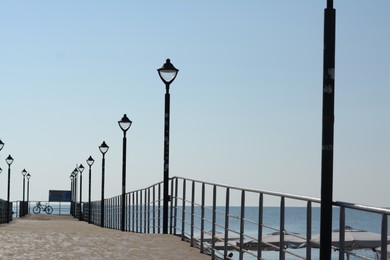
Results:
<point x="28" y="176"/>
<point x="167" y="74"/>
<point x="75" y="172"/>
<point x="103" y="149"/>
<point x="124" y="124"/>
<point x="81" y="169"/>
<point x="71" y="177"/>
<point x="1" y="145"/>
<point x="327" y="131"/>
<point x="24" y="173"/>
<point x="90" y="161"/>
<point x="9" y="161"/>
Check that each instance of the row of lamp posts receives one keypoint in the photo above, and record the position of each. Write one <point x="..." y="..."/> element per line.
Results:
<point x="167" y="74"/>
<point x="9" y="160"/>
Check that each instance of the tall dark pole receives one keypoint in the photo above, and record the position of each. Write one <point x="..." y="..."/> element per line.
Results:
<point x="327" y="132"/>
<point x="75" y="172"/>
<point x="23" y="208"/>
<point x="24" y="172"/>
<point x="166" y="159"/>
<point x="124" y="124"/>
<point x="103" y="149"/>
<point x="81" y="169"/>
<point x="102" y="199"/>
<point x="9" y="161"/>
<point x="71" y="193"/>
<point x="28" y="192"/>
<point x="90" y="161"/>
<point x="167" y="74"/>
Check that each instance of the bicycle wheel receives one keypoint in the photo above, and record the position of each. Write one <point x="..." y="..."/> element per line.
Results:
<point x="36" y="210"/>
<point x="49" y="209"/>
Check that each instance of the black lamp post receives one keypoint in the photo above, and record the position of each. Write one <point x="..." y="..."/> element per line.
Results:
<point x="81" y="169"/>
<point x="28" y="191"/>
<point x="71" y="194"/>
<point x="167" y="74"/>
<point x="124" y="124"/>
<point x="90" y="161"/>
<point x="103" y="149"/>
<point x="75" y="172"/>
<point x="24" y="173"/>
<point x="9" y="161"/>
<point x="327" y="131"/>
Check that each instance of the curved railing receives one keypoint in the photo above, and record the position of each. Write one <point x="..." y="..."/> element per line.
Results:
<point x="223" y="219"/>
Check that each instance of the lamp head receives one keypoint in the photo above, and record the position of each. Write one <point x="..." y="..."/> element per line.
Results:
<point x="81" y="168"/>
<point x="9" y="160"/>
<point x="28" y="176"/>
<point x="24" y="172"/>
<point x="103" y="147"/>
<point x="125" y="123"/>
<point x="167" y="72"/>
<point x="1" y="145"/>
<point x="90" y="161"/>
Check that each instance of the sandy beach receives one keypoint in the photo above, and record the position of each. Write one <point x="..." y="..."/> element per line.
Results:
<point x="63" y="237"/>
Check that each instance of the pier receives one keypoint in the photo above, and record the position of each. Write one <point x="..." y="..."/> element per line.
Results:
<point x="206" y="221"/>
<point x="64" y="237"/>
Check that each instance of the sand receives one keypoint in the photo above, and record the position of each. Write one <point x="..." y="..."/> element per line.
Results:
<point x="64" y="237"/>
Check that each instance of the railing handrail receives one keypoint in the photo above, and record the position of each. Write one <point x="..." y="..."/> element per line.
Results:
<point x="266" y="192"/>
<point x="362" y="207"/>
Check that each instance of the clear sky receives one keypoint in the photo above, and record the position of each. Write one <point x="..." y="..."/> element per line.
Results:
<point x="245" y="106"/>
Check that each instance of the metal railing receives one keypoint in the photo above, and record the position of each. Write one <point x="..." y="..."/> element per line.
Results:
<point x="223" y="219"/>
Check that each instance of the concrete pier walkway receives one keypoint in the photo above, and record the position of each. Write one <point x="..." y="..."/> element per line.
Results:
<point x="63" y="237"/>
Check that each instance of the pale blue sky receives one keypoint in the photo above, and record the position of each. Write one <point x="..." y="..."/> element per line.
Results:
<point x="245" y="107"/>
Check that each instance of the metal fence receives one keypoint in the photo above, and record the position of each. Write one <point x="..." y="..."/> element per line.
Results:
<point x="222" y="220"/>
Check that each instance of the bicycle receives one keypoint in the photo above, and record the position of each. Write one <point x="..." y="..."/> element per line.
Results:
<point x="46" y="208"/>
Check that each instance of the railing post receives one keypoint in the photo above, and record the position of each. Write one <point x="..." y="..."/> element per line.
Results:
<point x="171" y="208"/>
<point x="192" y="212"/>
<point x="242" y="228"/>
<point x="133" y="211"/>
<point x="226" y="238"/>
<point x="308" y="229"/>
<point x="214" y="222"/>
<point x="183" y="211"/>
<point x="342" y="233"/>
<point x="384" y="237"/>
<point x="159" y="207"/>
<point x="140" y="211"/>
<point x="175" y="210"/>
<point x="282" y="254"/>
<point x="136" y="211"/>
<point x="148" y="210"/>
<point x="154" y="209"/>
<point x="202" y="219"/>
<point x="260" y="231"/>
<point x="145" y="211"/>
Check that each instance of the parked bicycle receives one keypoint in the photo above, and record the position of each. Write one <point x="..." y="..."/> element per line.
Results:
<point x="46" y="208"/>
